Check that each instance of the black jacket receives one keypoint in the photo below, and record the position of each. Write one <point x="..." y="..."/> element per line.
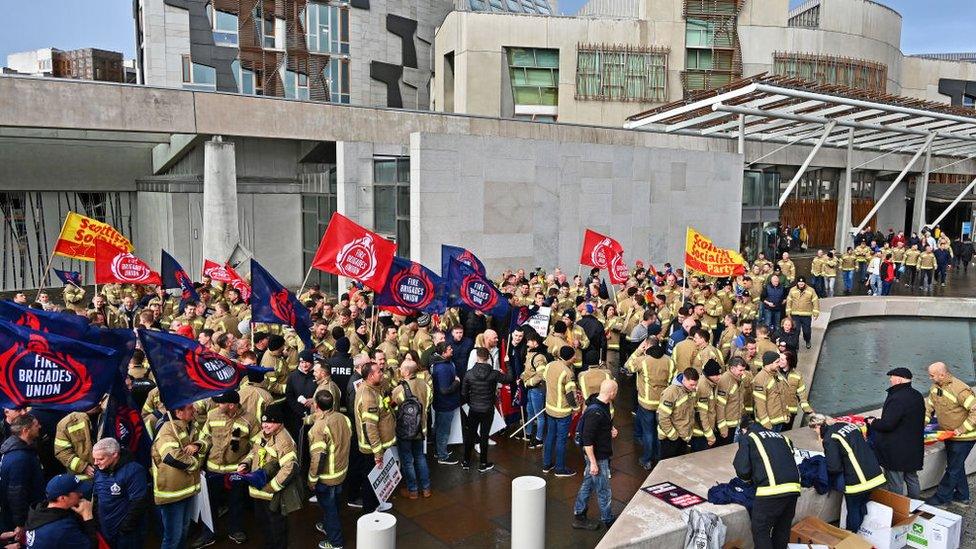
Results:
<point x="299" y="384"/>
<point x="479" y="388"/>
<point x="899" y="430"/>
<point x="750" y="464"/>
<point x="341" y="370"/>
<point x="53" y="528"/>
<point x="792" y="338"/>
<point x="594" y="331"/>
<point x="844" y="446"/>
<point x="596" y="428"/>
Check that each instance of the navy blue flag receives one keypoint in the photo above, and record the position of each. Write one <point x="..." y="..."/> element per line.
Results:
<point x="274" y="304"/>
<point x="413" y="286"/>
<point x="464" y="256"/>
<point x="68" y="277"/>
<point x="123" y="420"/>
<point x="468" y="288"/>
<point x="64" y="324"/>
<point x="186" y="371"/>
<point x="174" y="276"/>
<point x="52" y="371"/>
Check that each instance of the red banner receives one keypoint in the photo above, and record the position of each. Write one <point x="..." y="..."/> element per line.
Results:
<point x="216" y="271"/>
<point x="354" y="252"/>
<point x="618" y="271"/>
<point x="117" y="265"/>
<point x="598" y="250"/>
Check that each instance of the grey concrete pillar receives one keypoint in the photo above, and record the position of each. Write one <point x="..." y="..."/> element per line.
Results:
<point x="220" y="229"/>
<point x="376" y="531"/>
<point x="921" y="195"/>
<point x="529" y="513"/>
<point x="842" y="228"/>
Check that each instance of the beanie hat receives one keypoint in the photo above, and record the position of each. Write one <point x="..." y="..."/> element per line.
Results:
<point x="712" y="368"/>
<point x="274" y="413"/>
<point x="769" y="357"/>
<point x="275" y="342"/>
<point x="566" y="352"/>
<point x="230" y="397"/>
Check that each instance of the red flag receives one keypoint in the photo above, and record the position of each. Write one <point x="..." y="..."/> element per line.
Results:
<point x="598" y="250"/>
<point x="618" y="271"/>
<point x="354" y="252"/>
<point x="117" y="265"/>
<point x="238" y="283"/>
<point x="216" y="271"/>
<point x="505" y="406"/>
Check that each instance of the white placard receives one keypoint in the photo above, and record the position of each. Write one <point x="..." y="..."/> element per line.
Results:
<point x="540" y="321"/>
<point x="385" y="477"/>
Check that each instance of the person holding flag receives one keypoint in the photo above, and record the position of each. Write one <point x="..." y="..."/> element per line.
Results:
<point x="176" y="475"/>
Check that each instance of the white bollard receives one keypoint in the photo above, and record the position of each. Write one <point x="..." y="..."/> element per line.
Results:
<point x="376" y="531"/>
<point x="528" y="513"/>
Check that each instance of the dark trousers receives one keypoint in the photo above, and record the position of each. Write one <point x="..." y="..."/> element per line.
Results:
<point x="477" y="424"/>
<point x="365" y="464"/>
<point x="804" y="323"/>
<point x="328" y="498"/>
<point x="954" y="485"/>
<point x="234" y="496"/>
<point x="857" y="508"/>
<point x="771" y="521"/>
<point x="727" y="439"/>
<point x="352" y="486"/>
<point x="698" y="444"/>
<point x="673" y="448"/>
<point x="274" y="524"/>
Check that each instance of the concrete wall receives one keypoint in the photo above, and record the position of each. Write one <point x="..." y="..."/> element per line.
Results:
<point x="166" y="39"/>
<point x="527" y="202"/>
<point x="71" y="166"/>
<point x="892" y="212"/>
<point x="920" y="77"/>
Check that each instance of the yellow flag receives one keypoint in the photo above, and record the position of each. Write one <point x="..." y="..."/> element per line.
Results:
<point x="79" y="233"/>
<point x="702" y="256"/>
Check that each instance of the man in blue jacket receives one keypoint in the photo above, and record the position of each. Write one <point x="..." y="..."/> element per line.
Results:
<point x="65" y="521"/>
<point x="21" y="477"/>
<point x="447" y="399"/>
<point x="122" y="495"/>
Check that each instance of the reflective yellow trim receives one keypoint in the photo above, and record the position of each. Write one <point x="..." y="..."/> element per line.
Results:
<point x="274" y="485"/>
<point x="216" y="468"/>
<point x="217" y="423"/>
<point x="76" y="427"/>
<point x="61" y="443"/>
<point x="785" y="488"/>
<point x="286" y="458"/>
<point x="368" y="415"/>
<point x="259" y="494"/>
<point x="864" y="484"/>
<point x="75" y="464"/>
<point x="967" y="404"/>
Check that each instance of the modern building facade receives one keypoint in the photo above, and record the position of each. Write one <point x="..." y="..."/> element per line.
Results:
<point x="363" y="52"/>
<point x="619" y="57"/>
<point x="83" y="64"/>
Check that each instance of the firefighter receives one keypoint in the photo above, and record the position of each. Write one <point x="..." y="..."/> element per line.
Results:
<point x="765" y="458"/>
<point x="73" y="439"/>
<point x="770" y="393"/>
<point x="654" y="370"/>
<point x="955" y="407"/>
<point x="676" y="414"/>
<point x="176" y="474"/>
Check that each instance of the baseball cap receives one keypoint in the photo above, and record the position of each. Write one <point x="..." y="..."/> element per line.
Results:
<point x="63" y="485"/>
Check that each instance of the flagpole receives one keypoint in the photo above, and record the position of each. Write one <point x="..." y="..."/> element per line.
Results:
<point x="50" y="261"/>
<point x="307" y="274"/>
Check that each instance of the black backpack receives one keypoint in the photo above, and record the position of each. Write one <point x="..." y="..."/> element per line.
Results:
<point x="410" y="416"/>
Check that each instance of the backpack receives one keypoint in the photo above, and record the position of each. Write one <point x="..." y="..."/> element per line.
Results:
<point x="410" y="416"/>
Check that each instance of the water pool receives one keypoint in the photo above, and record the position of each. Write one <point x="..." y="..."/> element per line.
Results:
<point x="857" y="353"/>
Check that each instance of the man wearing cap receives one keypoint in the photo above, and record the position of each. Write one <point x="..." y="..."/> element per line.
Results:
<point x="64" y="520"/>
<point x="561" y="402"/>
<point x="271" y="469"/>
<point x="654" y="370"/>
<point x="769" y="393"/>
<point x="176" y="474"/>
<point x="421" y="340"/>
<point x="803" y="305"/>
<point x="225" y="439"/>
<point x="954" y="405"/>
<point x="596" y="351"/>
<point x="329" y="442"/>
<point x="299" y="390"/>
<point x="21" y="476"/>
<point x="899" y="433"/>
<point x="73" y="441"/>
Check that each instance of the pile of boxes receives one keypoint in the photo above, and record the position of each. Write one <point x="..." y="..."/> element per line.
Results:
<point x="892" y="522"/>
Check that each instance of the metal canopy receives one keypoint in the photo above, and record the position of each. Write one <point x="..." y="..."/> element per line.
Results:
<point x="789" y="111"/>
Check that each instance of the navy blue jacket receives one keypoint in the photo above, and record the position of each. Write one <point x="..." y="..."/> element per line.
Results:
<point x="447" y="391"/>
<point x="462" y="349"/>
<point x="53" y="528"/>
<point x="775" y="295"/>
<point x="21" y="482"/>
<point x="942" y="257"/>
<point x="122" y="496"/>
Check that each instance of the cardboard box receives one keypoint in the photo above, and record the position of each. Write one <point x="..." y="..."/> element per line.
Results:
<point x="935" y="529"/>
<point x="887" y="521"/>
<point x="813" y="531"/>
<point x="805" y="546"/>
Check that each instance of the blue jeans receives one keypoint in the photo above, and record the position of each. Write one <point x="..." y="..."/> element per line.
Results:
<point x="875" y="281"/>
<point x="885" y="288"/>
<point x="556" y="436"/>
<point x="414" y="464"/>
<point x="953" y="485"/>
<point x="328" y="497"/>
<point x="857" y="508"/>
<point x="773" y="318"/>
<point x="535" y="402"/>
<point x="648" y="424"/>
<point x="176" y="523"/>
<point x="848" y="280"/>
<point x="442" y="431"/>
<point x="600" y="483"/>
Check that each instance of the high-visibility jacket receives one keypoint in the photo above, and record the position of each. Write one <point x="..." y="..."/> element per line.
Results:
<point x="329" y="442"/>
<point x="73" y="443"/>
<point x="954" y="406"/>
<point x="802" y="302"/>
<point x="676" y="413"/>
<point x="590" y="381"/>
<point x="254" y="398"/>
<point x="725" y="340"/>
<point x="704" y="410"/>
<point x="704" y="354"/>
<point x="421" y="341"/>
<point x="653" y="376"/>
<point x="613" y="329"/>
<point x="684" y="353"/>
<point x="392" y="353"/>
<point x="847" y="452"/>
<point x="227" y="438"/>
<point x="535" y="369"/>
<point x="282" y="365"/>
<point x="816" y="266"/>
<point x="176" y="474"/>
<point x="729" y="402"/>
<point x="152" y="411"/>
<point x="787" y="268"/>
<point x="848" y="262"/>
<point x="275" y="454"/>
<point x="375" y="424"/>
<point x="328" y="385"/>
<point x="926" y="261"/>
<point x="911" y="256"/>
<point x="560" y="389"/>
<point x="796" y="398"/>
<point x="713" y="311"/>
<point x="770" y="399"/>
<point x="766" y="459"/>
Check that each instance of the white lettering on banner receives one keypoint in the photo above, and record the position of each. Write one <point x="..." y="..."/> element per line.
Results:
<point x="385" y="476"/>
<point x="47" y="378"/>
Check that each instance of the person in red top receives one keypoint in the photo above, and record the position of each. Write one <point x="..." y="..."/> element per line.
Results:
<point x="887" y="274"/>
<point x="898" y="239"/>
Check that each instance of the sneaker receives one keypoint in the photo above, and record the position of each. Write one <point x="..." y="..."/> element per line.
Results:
<point x="565" y="473"/>
<point x="449" y="460"/>
<point x="548" y="468"/>
<point x="935" y="501"/>
<point x="808" y="345"/>
<point x="313" y="499"/>
<point x="583" y="523"/>
<point x="485" y="467"/>
<point x="535" y="444"/>
<point x="964" y="503"/>
<point x="203" y="542"/>
<point x="355" y="503"/>
<point x="465" y="465"/>
<point x="426" y="492"/>
<point x="325" y="545"/>
<point x="384" y="506"/>
<point x="240" y="538"/>
<point x="321" y="528"/>
<point x="648" y="466"/>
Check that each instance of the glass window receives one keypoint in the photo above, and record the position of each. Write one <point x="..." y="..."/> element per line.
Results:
<point x="391" y="199"/>
<point x="699" y="59"/>
<point x="384" y="209"/>
<point x="224" y="28"/>
<point x="187" y="75"/>
<point x="621" y="74"/>
<point x="699" y="33"/>
<point x="535" y="76"/>
<point x="968" y="101"/>
<point x="336" y="75"/>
